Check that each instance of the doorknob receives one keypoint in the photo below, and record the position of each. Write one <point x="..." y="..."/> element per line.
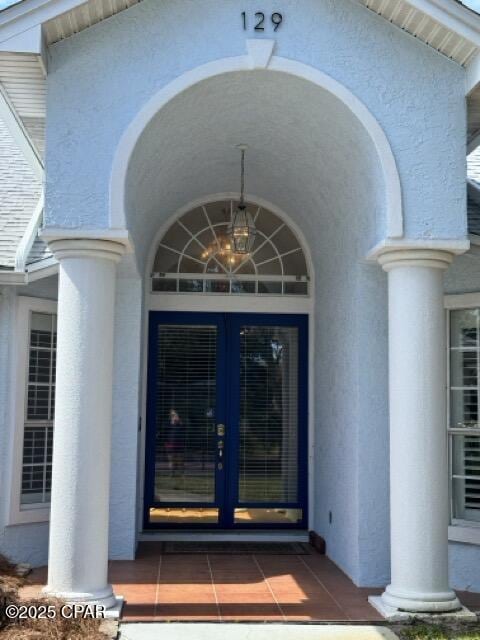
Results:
<point x="220" y="429"/>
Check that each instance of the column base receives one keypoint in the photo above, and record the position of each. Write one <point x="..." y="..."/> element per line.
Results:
<point x="392" y="614"/>
<point x="103" y="597"/>
<point x="411" y="601"/>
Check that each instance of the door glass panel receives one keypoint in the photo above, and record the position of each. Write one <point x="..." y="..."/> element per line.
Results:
<point x="186" y="396"/>
<point x="268" y="446"/>
<point x="250" y="515"/>
<point x="191" y="515"/>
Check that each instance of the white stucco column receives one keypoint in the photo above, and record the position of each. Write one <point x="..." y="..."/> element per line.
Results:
<point x="418" y="443"/>
<point x="78" y="551"/>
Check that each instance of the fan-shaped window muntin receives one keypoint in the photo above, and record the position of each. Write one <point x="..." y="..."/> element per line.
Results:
<point x="195" y="255"/>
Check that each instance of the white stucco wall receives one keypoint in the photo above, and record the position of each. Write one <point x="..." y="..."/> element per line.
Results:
<point x="311" y="160"/>
<point x="100" y="78"/>
<point x="126" y="410"/>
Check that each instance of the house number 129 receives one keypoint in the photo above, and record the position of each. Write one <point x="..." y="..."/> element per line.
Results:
<point x="276" y="19"/>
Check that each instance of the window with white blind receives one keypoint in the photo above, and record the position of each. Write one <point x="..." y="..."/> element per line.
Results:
<point x="463" y="427"/>
<point x="35" y="332"/>
<point x="39" y="410"/>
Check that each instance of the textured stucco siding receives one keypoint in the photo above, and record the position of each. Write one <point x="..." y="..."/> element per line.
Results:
<point x="100" y="78"/>
<point x="125" y="434"/>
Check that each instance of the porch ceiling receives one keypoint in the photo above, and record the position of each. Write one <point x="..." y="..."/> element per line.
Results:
<point x="307" y="154"/>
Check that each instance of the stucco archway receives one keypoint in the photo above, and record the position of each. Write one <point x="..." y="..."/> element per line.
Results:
<point x="297" y="102"/>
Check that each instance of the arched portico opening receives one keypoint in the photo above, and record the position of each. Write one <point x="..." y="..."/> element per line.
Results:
<point x="304" y="88"/>
<point x="313" y="151"/>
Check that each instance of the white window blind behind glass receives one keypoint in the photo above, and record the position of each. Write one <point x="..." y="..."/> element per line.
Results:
<point x="185" y="412"/>
<point x="39" y="410"/>
<point x="268" y="451"/>
<point x="464" y="431"/>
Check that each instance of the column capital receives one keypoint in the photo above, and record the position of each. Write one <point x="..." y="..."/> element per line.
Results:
<point x="86" y="248"/>
<point x="438" y="254"/>
<point x="432" y="258"/>
<point x="87" y="243"/>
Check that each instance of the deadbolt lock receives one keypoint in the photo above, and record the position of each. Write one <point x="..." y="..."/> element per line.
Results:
<point x="220" y="429"/>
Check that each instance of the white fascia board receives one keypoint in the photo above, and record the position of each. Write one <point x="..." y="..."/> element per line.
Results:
<point x="12" y="277"/>
<point x="29" y="41"/>
<point x="29" y="236"/>
<point x="472" y="77"/>
<point x="474" y="142"/>
<point x="35" y="271"/>
<point x="42" y="269"/>
<point x="31" y="13"/>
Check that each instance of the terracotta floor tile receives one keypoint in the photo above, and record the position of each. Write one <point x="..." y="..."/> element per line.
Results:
<point x="174" y="596"/>
<point x="260" y="587"/>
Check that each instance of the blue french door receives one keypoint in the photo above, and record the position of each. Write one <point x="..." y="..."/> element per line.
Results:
<point x="227" y="421"/>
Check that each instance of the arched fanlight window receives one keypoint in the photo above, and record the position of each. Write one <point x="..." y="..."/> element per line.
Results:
<point x="196" y="255"/>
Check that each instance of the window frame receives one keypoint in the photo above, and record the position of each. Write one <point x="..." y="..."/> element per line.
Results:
<point x="459" y="530"/>
<point x="25" y="306"/>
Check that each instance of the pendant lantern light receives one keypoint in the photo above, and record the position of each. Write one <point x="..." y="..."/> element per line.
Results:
<point x="242" y="231"/>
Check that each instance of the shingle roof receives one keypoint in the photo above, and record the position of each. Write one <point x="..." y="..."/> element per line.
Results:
<point x="19" y="194"/>
<point x="473" y="212"/>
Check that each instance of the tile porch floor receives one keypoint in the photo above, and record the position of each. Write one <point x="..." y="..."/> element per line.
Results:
<point x="236" y="587"/>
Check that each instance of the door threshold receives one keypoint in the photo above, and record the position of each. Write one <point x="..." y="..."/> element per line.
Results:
<point x="182" y="535"/>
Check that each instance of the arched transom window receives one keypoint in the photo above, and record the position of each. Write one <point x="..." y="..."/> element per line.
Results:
<point x="196" y="255"/>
